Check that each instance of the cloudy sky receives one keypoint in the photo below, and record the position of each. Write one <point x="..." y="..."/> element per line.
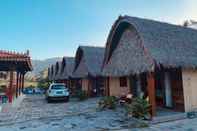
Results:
<point x="52" y="28"/>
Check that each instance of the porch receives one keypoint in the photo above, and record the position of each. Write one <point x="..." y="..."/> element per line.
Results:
<point x="94" y="86"/>
<point x="163" y="88"/>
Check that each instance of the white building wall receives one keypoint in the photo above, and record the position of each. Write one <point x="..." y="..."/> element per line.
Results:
<point x="189" y="77"/>
<point x="115" y="89"/>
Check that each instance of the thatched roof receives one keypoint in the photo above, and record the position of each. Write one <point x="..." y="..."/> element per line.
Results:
<point x="136" y="45"/>
<point x="88" y="61"/>
<point x="52" y="72"/>
<point x="49" y="73"/>
<point x="67" y="67"/>
<point x="61" y="69"/>
<point x="57" y="70"/>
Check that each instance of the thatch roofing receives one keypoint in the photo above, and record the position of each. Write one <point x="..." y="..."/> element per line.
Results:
<point x="88" y="61"/>
<point x="52" y="74"/>
<point x="136" y="45"/>
<point x="57" y="70"/>
<point x="61" y="69"/>
<point x="49" y="73"/>
<point x="67" y="67"/>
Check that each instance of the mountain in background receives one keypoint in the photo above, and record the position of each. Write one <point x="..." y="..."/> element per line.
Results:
<point x="39" y="66"/>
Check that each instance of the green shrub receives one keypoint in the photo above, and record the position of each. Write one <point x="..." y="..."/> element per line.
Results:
<point x="143" y="125"/>
<point x="108" y="102"/>
<point x="139" y="108"/>
<point x="81" y="95"/>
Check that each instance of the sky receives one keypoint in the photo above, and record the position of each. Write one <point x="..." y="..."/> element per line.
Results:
<point x="55" y="28"/>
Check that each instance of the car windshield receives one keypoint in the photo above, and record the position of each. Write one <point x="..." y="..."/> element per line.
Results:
<point x="55" y="87"/>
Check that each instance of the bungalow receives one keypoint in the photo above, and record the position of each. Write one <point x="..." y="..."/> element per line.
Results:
<point x="67" y="66"/>
<point x="50" y="73"/>
<point x="56" y="71"/>
<point x="88" y="62"/>
<point x="62" y="72"/>
<point x="152" y="58"/>
<point x="14" y="66"/>
<point x="53" y="73"/>
<point x="57" y="77"/>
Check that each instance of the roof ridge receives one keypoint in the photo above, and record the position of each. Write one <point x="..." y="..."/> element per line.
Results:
<point x="149" y="19"/>
<point x="91" y="46"/>
<point x="13" y="53"/>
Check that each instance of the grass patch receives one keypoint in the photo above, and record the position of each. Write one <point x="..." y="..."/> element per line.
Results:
<point x="30" y="83"/>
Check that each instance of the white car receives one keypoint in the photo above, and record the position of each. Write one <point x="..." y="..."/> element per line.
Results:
<point x="57" y="91"/>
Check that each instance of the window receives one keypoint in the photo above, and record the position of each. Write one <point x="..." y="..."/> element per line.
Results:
<point x="56" y="87"/>
<point x="123" y="81"/>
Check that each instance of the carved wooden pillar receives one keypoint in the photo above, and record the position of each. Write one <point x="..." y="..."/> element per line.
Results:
<point x="10" y="87"/>
<point x="151" y="92"/>
<point x="22" y="83"/>
<point x="17" y="83"/>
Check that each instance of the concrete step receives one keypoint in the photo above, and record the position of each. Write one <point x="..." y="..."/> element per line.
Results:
<point x="167" y="118"/>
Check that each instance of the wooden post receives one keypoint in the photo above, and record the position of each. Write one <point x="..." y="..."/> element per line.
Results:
<point x="139" y="86"/>
<point x="107" y="91"/>
<point x="151" y="93"/>
<point x="105" y="86"/>
<point x="89" y="90"/>
<point x="70" y="84"/>
<point x="66" y="82"/>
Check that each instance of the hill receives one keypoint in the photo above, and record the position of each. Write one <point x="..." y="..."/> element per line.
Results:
<point x="39" y="66"/>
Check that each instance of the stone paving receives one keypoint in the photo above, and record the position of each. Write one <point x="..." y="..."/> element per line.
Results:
<point x="35" y="114"/>
<point x="36" y="107"/>
<point x="180" y="125"/>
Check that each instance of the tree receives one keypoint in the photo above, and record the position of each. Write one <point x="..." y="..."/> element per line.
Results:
<point x="43" y="81"/>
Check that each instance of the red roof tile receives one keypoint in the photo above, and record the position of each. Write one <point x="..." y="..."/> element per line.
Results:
<point x="18" y="57"/>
